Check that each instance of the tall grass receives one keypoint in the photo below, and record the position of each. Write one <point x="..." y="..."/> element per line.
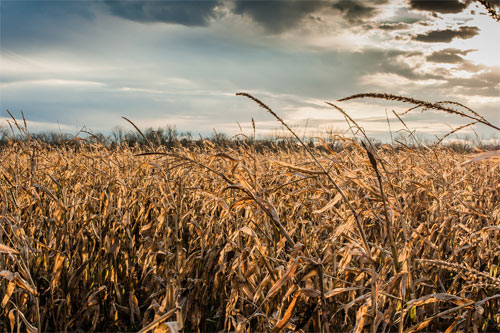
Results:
<point x="209" y="237"/>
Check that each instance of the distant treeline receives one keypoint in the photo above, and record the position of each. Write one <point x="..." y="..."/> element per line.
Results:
<point x="170" y="137"/>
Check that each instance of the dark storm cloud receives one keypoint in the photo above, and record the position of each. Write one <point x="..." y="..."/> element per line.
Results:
<point x="277" y="16"/>
<point x="354" y="11"/>
<point x="189" y="13"/>
<point x="447" y="35"/>
<point x="440" y="6"/>
<point x="394" y="26"/>
<point x="448" y="56"/>
<point x="274" y="15"/>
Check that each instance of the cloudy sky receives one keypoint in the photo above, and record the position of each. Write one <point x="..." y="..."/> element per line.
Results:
<point x="72" y="63"/>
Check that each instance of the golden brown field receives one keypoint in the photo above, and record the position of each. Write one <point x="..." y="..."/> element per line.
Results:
<point x="211" y="238"/>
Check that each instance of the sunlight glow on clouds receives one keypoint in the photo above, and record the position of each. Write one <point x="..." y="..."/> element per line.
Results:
<point x="391" y="81"/>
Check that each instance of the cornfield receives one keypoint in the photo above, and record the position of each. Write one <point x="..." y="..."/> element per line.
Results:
<point x="206" y="238"/>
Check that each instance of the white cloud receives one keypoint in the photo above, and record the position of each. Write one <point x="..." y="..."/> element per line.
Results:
<point x="479" y="100"/>
<point x="486" y="42"/>
<point x="391" y="81"/>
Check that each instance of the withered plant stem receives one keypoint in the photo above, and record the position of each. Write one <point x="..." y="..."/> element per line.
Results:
<point x="334" y="183"/>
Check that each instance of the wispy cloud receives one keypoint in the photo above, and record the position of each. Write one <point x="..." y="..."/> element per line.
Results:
<point x="52" y="82"/>
<point x="392" y="80"/>
<point x="189" y="13"/>
<point x="35" y="126"/>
